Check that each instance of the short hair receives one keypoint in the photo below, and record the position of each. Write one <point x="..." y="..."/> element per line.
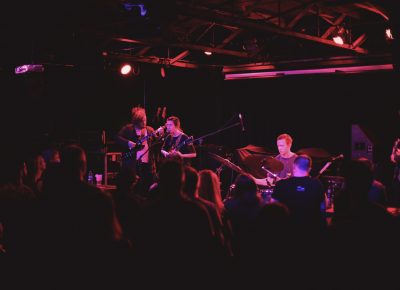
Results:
<point x="73" y="159"/>
<point x="126" y="178"/>
<point x="304" y="162"/>
<point x="367" y="162"/>
<point x="171" y="176"/>
<point x="358" y="178"/>
<point x="175" y="120"/>
<point x="286" y="137"/>
<point x="138" y="114"/>
<point x="245" y="184"/>
<point x="191" y="181"/>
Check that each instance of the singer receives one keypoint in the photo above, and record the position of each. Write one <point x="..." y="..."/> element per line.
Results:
<point x="142" y="157"/>
<point x="176" y="143"/>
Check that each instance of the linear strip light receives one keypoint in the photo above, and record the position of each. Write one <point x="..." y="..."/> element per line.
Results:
<point x="274" y="74"/>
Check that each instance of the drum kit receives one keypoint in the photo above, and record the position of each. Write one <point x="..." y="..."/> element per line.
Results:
<point x="271" y="167"/>
<point x="269" y="164"/>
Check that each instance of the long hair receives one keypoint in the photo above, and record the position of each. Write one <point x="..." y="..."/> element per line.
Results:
<point x="138" y="116"/>
<point x="209" y="188"/>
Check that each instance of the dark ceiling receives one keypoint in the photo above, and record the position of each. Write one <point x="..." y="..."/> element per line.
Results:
<point x="240" y="34"/>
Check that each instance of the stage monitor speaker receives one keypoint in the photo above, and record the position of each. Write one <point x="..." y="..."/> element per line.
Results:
<point x="362" y="144"/>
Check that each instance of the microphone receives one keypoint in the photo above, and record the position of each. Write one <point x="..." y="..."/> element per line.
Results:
<point x="241" y="122"/>
<point x="161" y="132"/>
<point x="337" y="157"/>
<point x="161" y="129"/>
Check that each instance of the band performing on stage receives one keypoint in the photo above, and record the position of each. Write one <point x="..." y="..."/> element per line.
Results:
<point x="284" y="170"/>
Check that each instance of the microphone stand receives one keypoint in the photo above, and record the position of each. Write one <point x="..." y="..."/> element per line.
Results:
<point x="329" y="163"/>
<point x="219" y="169"/>
<point x="326" y="166"/>
<point x="216" y="132"/>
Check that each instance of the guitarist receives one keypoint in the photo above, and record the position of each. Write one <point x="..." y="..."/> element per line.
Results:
<point x="142" y="159"/>
<point x="175" y="143"/>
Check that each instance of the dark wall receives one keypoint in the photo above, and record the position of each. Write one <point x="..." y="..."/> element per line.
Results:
<point x="317" y="110"/>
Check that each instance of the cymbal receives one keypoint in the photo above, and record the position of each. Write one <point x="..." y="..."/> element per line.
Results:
<point x="272" y="164"/>
<point x="227" y="163"/>
<point x="317" y="153"/>
<point x="252" y="164"/>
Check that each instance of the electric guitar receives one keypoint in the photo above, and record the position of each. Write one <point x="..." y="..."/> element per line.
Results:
<point x="139" y="145"/>
<point x="181" y="144"/>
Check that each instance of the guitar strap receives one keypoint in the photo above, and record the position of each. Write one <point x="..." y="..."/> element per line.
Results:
<point x="144" y="134"/>
<point x="177" y="142"/>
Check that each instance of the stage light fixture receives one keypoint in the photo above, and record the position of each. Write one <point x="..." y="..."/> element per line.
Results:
<point x="29" y="68"/>
<point x="126" y="69"/>
<point x="341" y="35"/>
<point x="163" y="72"/>
<point x="338" y="40"/>
<point x="129" y="7"/>
<point x="388" y="34"/>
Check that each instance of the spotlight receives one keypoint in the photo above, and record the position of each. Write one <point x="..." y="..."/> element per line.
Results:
<point x="341" y="35"/>
<point x="129" y="7"/>
<point x="338" y="40"/>
<point x="208" y="53"/>
<point x="388" y="34"/>
<point x="125" y="69"/>
<point x="162" y="72"/>
<point x="29" y="68"/>
<point x="143" y="10"/>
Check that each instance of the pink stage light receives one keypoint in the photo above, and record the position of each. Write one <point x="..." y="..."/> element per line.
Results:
<point x="125" y="69"/>
<point x="275" y="74"/>
<point x="162" y="72"/>
<point x="29" y="68"/>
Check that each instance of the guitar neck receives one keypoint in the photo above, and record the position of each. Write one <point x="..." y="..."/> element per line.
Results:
<point x="139" y="142"/>
<point x="148" y="136"/>
<point x="183" y="143"/>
